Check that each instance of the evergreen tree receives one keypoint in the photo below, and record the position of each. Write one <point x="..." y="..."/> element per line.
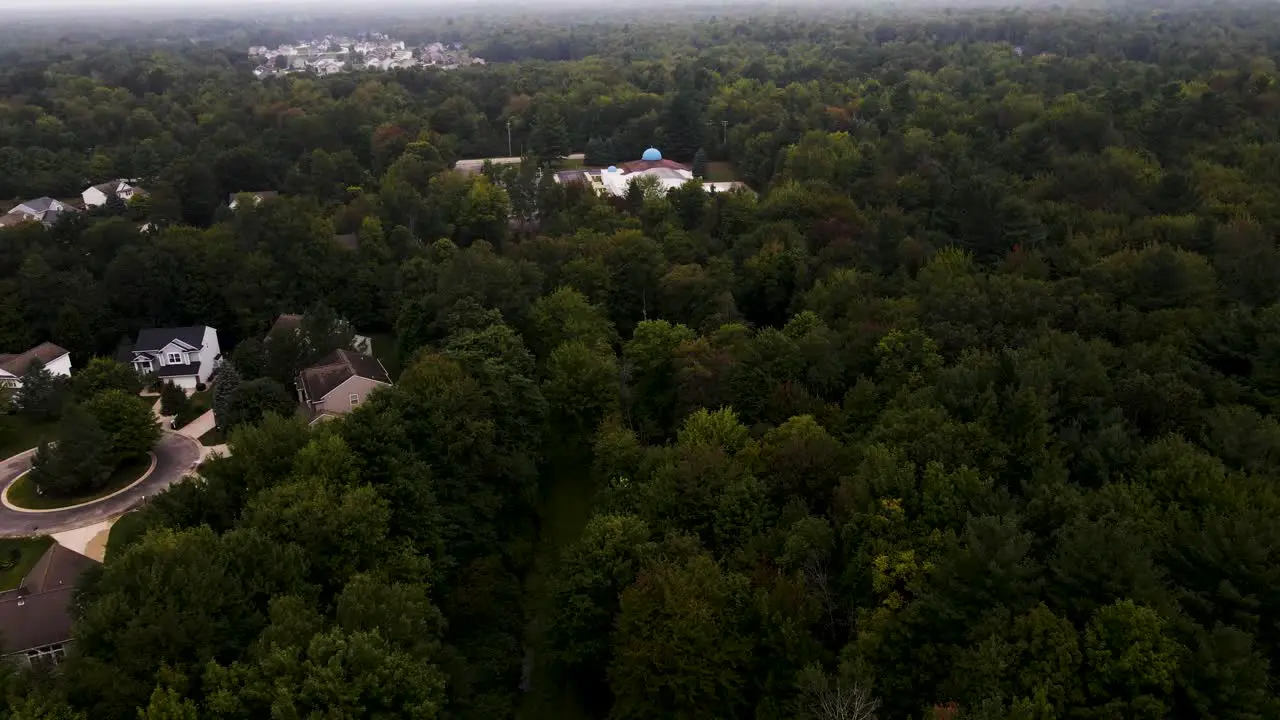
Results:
<point x="549" y="135"/>
<point x="596" y="155"/>
<point x="683" y="130"/>
<point x="224" y="391"/>
<point x="700" y="164"/>
<point x="173" y="401"/>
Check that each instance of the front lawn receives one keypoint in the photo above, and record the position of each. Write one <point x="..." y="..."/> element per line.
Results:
<point x="213" y="437"/>
<point x="124" y="532"/>
<point x="17" y="556"/>
<point x="22" y="493"/>
<point x="720" y="172"/>
<point x="18" y="433"/>
<point x="199" y="404"/>
<point x="384" y="348"/>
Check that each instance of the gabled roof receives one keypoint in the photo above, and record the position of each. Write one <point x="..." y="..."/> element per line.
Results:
<point x="338" y="367"/>
<point x="638" y="165"/>
<point x="39" y="205"/>
<point x="17" y="365"/>
<point x="38" y="613"/>
<point x="109" y="186"/>
<point x="153" y="339"/>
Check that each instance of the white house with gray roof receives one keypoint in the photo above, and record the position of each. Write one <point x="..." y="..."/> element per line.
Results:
<point x="184" y="356"/>
<point x="44" y="210"/>
<point x="96" y="195"/>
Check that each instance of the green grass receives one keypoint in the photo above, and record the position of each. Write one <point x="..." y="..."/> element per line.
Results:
<point x="213" y="437"/>
<point x="720" y="172"/>
<point x="29" y="551"/>
<point x="124" y="532"/>
<point x="18" y="434"/>
<point x="202" y="401"/>
<point x="23" y="492"/>
<point x="384" y="348"/>
<point x="200" y="404"/>
<point x="563" y="511"/>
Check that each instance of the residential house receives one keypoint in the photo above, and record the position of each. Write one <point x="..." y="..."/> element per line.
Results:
<point x="258" y="196"/>
<point x="293" y="323"/>
<point x="44" y="210"/>
<point x="13" y="366"/>
<point x="96" y="196"/>
<point x="35" y="619"/>
<point x="184" y="356"/>
<point x="339" y="383"/>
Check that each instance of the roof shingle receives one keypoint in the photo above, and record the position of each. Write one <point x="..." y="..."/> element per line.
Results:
<point x="38" y="613"/>
<point x="19" y="364"/>
<point x="336" y="368"/>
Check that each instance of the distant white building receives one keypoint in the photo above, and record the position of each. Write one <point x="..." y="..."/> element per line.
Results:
<point x="616" y="180"/>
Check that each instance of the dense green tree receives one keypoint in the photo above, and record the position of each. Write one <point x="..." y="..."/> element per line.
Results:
<point x="80" y="462"/>
<point x="42" y="394"/>
<point x="129" y="423"/>
<point x="225" y="387"/>
<point x="173" y="401"/>
<point x="104" y="374"/>
<point x="679" y="652"/>
<point x="256" y="399"/>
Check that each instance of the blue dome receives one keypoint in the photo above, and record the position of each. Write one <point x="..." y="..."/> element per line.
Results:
<point x="612" y="168"/>
<point x="652" y="154"/>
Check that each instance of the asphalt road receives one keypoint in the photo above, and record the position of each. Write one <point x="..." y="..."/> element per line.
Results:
<point x="175" y="456"/>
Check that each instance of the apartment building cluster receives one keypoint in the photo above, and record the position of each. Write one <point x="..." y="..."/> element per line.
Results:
<point x="341" y="53"/>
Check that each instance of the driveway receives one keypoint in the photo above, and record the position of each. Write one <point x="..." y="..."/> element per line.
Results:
<point x="175" y="456"/>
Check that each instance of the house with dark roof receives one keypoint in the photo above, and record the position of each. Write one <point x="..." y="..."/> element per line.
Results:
<point x="14" y="365"/>
<point x="96" y="195"/>
<point x="45" y="210"/>
<point x="35" y="619"/>
<point x="257" y="196"/>
<point x="339" y="382"/>
<point x="184" y="356"/>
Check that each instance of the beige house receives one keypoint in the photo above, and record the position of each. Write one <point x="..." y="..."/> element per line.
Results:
<point x="339" y="383"/>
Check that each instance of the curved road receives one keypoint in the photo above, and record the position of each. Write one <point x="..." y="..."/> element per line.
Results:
<point x="175" y="456"/>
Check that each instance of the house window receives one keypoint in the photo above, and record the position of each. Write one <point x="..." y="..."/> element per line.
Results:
<point x="354" y="398"/>
<point x="143" y="366"/>
<point x="175" y="358"/>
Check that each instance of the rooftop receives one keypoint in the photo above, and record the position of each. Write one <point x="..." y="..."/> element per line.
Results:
<point x="38" y="613"/>
<point x="336" y="368"/>
<point x="18" y="364"/>
<point x="157" y="338"/>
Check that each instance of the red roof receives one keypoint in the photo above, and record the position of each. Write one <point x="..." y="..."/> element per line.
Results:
<point x="638" y="165"/>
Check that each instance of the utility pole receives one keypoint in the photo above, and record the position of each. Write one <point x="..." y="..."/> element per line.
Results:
<point x="508" y="137"/>
<point x="725" y="125"/>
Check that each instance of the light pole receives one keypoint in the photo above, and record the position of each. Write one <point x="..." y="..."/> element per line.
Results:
<point x="725" y="124"/>
<point x="508" y="137"/>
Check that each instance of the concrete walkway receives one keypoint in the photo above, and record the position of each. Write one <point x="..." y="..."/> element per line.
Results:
<point x="199" y="426"/>
<point x="90" y="540"/>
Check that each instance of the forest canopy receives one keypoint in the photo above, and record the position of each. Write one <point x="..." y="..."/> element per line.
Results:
<point x="964" y="408"/>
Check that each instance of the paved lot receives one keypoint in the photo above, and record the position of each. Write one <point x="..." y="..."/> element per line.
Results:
<point x="175" y="456"/>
